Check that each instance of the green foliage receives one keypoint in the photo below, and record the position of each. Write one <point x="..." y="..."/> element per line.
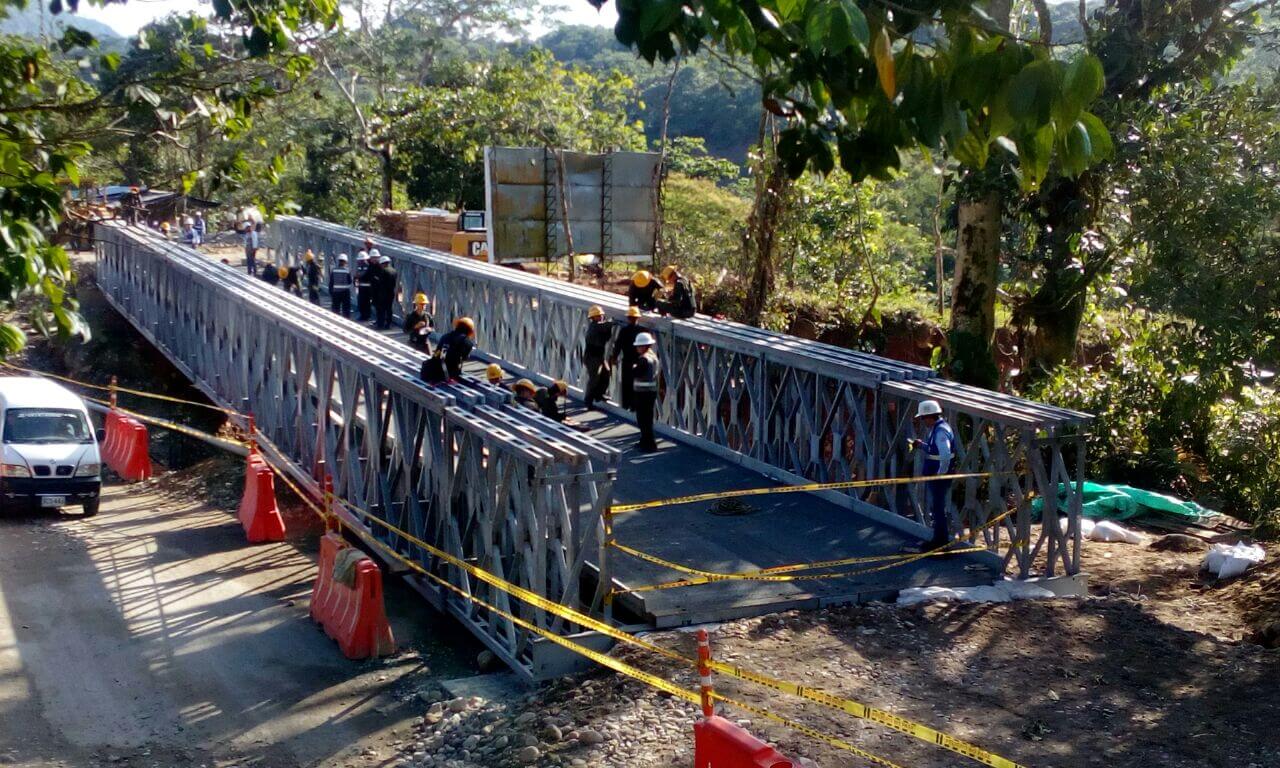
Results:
<point x="688" y="156"/>
<point x="530" y="101"/>
<point x="852" y="77"/>
<point x="703" y="226"/>
<point x="1244" y="442"/>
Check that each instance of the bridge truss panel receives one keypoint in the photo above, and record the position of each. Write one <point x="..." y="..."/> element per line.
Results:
<point x="791" y="408"/>
<point x="523" y="499"/>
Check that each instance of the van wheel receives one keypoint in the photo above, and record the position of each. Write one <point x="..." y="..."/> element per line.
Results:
<point x="91" y="507"/>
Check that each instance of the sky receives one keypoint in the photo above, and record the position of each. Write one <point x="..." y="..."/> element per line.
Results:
<point x="135" y="14"/>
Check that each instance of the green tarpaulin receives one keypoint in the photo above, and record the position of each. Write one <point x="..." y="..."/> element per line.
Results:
<point x="1122" y="502"/>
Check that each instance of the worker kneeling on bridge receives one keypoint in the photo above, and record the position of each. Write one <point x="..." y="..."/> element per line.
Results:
<point x="418" y="324"/>
<point x="680" y="301"/>
<point x="526" y="393"/>
<point x="340" y="287"/>
<point x="642" y="290"/>
<point x="270" y="274"/>
<point x="644" y="375"/>
<point x="452" y="351"/>
<point x="493" y="374"/>
<point x="595" y="362"/>
<point x="289" y="279"/>
<point x="938" y="449"/>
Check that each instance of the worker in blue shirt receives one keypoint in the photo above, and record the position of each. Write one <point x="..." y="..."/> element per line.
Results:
<point x="938" y="448"/>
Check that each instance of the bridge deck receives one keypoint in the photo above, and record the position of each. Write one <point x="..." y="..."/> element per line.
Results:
<point x="779" y="530"/>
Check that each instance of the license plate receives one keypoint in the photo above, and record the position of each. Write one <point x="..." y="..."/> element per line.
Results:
<point x="53" y="501"/>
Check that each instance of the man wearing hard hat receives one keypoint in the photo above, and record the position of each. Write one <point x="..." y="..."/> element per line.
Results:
<point x="418" y="324"/>
<point x="680" y="301"/>
<point x="641" y="291"/>
<point x="644" y="373"/>
<point x="595" y="351"/>
<point x="493" y="374"/>
<point x="311" y="268"/>
<point x="340" y="287"/>
<point x="938" y="449"/>
<point x="454" y="349"/>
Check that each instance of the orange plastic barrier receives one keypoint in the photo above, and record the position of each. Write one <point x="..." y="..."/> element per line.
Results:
<point x="719" y="743"/>
<point x="354" y="616"/>
<point x="258" y="512"/>
<point x="125" y="448"/>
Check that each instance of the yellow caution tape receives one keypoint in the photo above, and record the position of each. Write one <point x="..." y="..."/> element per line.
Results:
<point x="172" y="426"/>
<point x="769" y="574"/>
<point x="848" y="706"/>
<point x="619" y="509"/>
<point x="126" y="390"/>
<point x="806" y="730"/>
<point x="623" y="668"/>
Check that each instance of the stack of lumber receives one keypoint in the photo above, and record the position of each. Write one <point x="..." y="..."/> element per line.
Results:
<point x="432" y="228"/>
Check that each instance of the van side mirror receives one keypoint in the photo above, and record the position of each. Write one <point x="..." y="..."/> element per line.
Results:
<point x="100" y="434"/>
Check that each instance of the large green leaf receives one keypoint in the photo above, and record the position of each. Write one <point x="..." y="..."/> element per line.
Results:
<point x="1032" y="94"/>
<point x="1099" y="136"/>
<point x="1082" y="81"/>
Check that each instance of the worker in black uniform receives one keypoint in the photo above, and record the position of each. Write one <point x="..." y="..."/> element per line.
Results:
<point x="641" y="292"/>
<point x="624" y="347"/>
<point x="644" y="374"/>
<point x="270" y="275"/>
<point x="289" y="280"/>
<point x="452" y="351"/>
<point x="373" y="278"/>
<point x="526" y="393"/>
<point x="417" y="324"/>
<point x="548" y="399"/>
<point x="340" y="287"/>
<point x="311" y="270"/>
<point x="595" y="351"/>
<point x="493" y="374"/>
<point x="364" y="296"/>
<point x="680" y="301"/>
<point x="384" y="293"/>
<point x="131" y="205"/>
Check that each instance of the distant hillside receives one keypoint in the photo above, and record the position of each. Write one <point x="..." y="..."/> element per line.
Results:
<point x="35" y="21"/>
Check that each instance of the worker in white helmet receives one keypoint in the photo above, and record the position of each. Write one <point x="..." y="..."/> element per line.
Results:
<point x="938" y="448"/>
<point x="364" y="287"/>
<point x="644" y="385"/>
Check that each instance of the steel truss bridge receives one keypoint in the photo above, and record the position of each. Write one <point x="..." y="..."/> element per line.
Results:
<point x="523" y="496"/>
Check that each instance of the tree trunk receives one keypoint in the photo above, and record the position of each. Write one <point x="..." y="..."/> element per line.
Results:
<point x="1056" y="309"/>
<point x="388" y="167"/>
<point x="973" y="297"/>
<point x="761" y="237"/>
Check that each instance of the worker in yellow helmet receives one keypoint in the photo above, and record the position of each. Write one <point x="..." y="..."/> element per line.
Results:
<point x="595" y="356"/>
<point x="417" y="324"/>
<point x="680" y="301"/>
<point x="624" y="348"/>
<point x="452" y="351"/>
<point x="493" y="374"/>
<point x="311" y="270"/>
<point x="641" y="292"/>
<point x="289" y="279"/>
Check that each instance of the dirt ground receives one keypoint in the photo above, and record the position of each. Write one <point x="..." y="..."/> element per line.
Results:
<point x="1151" y="670"/>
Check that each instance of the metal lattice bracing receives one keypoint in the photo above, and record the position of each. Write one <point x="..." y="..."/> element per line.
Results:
<point x="456" y="466"/>
<point x="790" y="408"/>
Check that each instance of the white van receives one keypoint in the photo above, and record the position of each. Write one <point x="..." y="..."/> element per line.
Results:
<point x="51" y="454"/>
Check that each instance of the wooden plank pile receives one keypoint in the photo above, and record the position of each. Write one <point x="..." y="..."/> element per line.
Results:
<point x="431" y="229"/>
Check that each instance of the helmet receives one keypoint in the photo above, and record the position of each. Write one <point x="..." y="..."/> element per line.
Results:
<point x="282" y="271"/>
<point x="368" y="243"/>
<point x="669" y="272"/>
<point x="563" y="386"/>
<point x="494" y="371"/>
<point x="645" y="340"/>
<point x="375" y="254"/>
<point x="633" y="311"/>
<point x="928" y="408"/>
<point x="309" y="256"/>
<point x="641" y="279"/>
<point x="342" y="258"/>
<point x="595" y="311"/>
<point x="362" y="256"/>
<point x="525" y="384"/>
<point x="384" y="259"/>
<point x="420" y="298"/>
<point x="133" y="189"/>
<point x="467" y="324"/>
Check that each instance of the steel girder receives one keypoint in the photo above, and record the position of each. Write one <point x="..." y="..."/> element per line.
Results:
<point x="785" y="406"/>
<point x="457" y="467"/>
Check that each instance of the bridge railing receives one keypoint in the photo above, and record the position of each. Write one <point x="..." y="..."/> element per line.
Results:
<point x="790" y="408"/>
<point x="455" y="467"/>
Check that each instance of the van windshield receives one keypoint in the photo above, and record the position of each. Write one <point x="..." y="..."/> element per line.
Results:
<point x="45" y="425"/>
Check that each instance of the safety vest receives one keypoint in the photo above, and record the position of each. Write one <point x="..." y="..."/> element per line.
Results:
<point x="646" y="373"/>
<point x="940" y="434"/>
<point x="340" y="280"/>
